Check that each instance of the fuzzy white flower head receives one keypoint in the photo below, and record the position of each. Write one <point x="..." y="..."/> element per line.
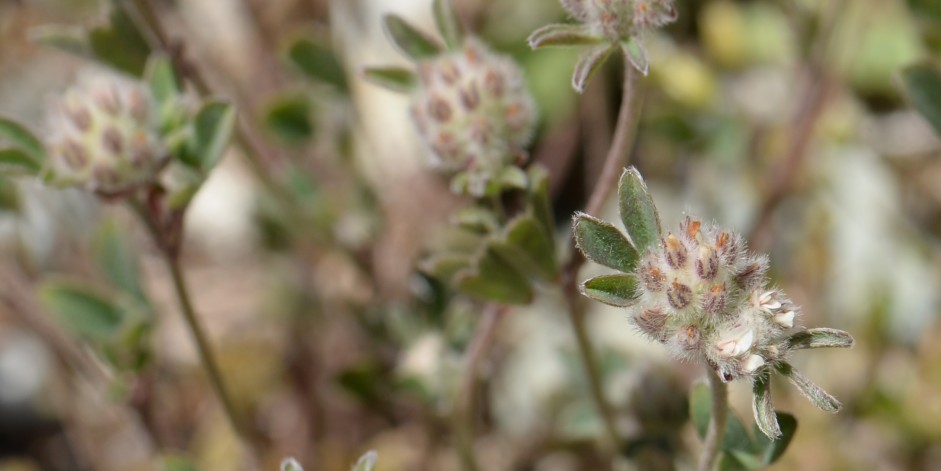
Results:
<point x="103" y="137"/>
<point x="473" y="110"/>
<point x="705" y="297"/>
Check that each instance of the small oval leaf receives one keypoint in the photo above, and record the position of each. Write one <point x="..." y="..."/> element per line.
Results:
<point x="638" y="212"/>
<point x="17" y="162"/>
<point x="819" y="338"/>
<point x="562" y="35"/>
<point x="603" y="243"/>
<point x="588" y="63"/>
<point x="213" y="127"/>
<point x="448" y="23"/>
<point x="492" y="279"/>
<point x="922" y="84"/>
<point x="397" y="79"/>
<point x="82" y="309"/>
<point x="815" y="394"/>
<point x="765" y="417"/>
<point x="16" y="135"/>
<point x="318" y="62"/>
<point x="636" y="54"/>
<point x="614" y="290"/>
<point x="409" y="40"/>
<point x="289" y="118"/>
<point x="367" y="462"/>
<point x="163" y="82"/>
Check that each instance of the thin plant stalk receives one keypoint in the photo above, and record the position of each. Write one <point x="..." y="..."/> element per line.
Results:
<point x="716" y="429"/>
<point x="617" y="157"/>
<point x="170" y="253"/>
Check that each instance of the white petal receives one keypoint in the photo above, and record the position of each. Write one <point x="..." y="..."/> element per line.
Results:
<point x="726" y="348"/>
<point x="744" y="342"/>
<point x="785" y="319"/>
<point x="752" y="363"/>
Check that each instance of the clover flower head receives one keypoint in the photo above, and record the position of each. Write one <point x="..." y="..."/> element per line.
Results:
<point x="701" y="293"/>
<point x="473" y="111"/>
<point x="102" y="136"/>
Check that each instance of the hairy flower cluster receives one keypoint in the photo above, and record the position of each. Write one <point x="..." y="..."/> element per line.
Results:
<point x="703" y="295"/>
<point x="473" y="110"/>
<point x="103" y="136"/>
<point x="618" y="20"/>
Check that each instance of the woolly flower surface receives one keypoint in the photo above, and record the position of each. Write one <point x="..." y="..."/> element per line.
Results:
<point x="704" y="296"/>
<point x="102" y="135"/>
<point x="473" y="110"/>
<point x="618" y="20"/>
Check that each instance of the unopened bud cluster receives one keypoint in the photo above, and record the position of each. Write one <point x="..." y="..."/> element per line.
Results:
<point x="103" y="137"/>
<point x="703" y="295"/>
<point x="473" y="110"/>
<point x="617" y="20"/>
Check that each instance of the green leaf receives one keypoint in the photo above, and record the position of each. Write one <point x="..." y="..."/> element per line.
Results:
<point x="16" y="135"/>
<point x="367" y="462"/>
<point x="815" y="394"/>
<point x="493" y="279"/>
<point x="290" y="464"/>
<point x="213" y="127"/>
<point x="638" y="212"/>
<point x="603" y="243"/>
<point x="562" y="35"/>
<point x="70" y="39"/>
<point x="448" y="24"/>
<point x="765" y="418"/>
<point x="163" y="82"/>
<point x="397" y="79"/>
<point x="445" y="266"/>
<point x="525" y="245"/>
<point x="18" y="162"/>
<point x="636" y="53"/>
<point x="736" y="436"/>
<point x="614" y="290"/>
<point x="588" y="63"/>
<point x="409" y="40"/>
<point x="770" y="450"/>
<point x="513" y="177"/>
<point x="819" y="338"/>
<point x="9" y="196"/>
<point x="477" y="219"/>
<point x="539" y="199"/>
<point x="120" y="43"/>
<point x="117" y="259"/>
<point x="82" y="309"/>
<point x="318" y="62"/>
<point x="922" y="84"/>
<point x="289" y="118"/>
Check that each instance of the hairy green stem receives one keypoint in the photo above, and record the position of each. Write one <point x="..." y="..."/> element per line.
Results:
<point x="716" y="430"/>
<point x="617" y="157"/>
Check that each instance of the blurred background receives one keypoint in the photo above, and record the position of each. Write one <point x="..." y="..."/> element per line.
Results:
<point x="786" y="120"/>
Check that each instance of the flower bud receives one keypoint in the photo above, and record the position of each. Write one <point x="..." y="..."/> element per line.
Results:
<point x="651" y="322"/>
<point x="785" y="319"/>
<point x="715" y="299"/>
<point x="676" y="252"/>
<point x="689" y="338"/>
<point x="679" y="295"/>
<point x="652" y="276"/>
<point x="102" y="136"/>
<point x="473" y="110"/>
<point x="707" y="263"/>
